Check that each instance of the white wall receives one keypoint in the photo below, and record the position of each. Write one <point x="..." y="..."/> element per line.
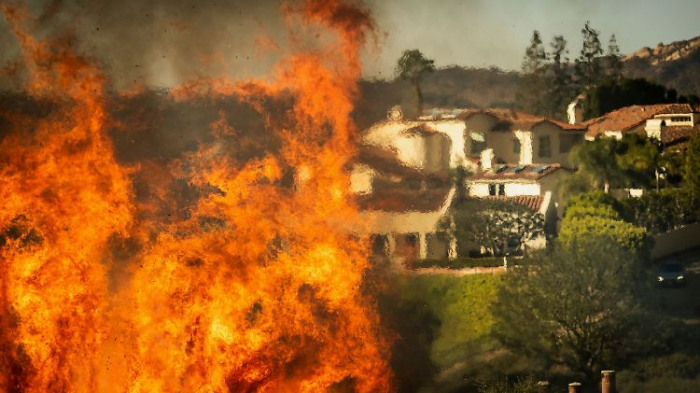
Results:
<point x="454" y="129"/>
<point x="676" y="241"/>
<point x="361" y="179"/>
<point x="513" y="189"/>
<point x="481" y="189"/>
<point x="381" y="222"/>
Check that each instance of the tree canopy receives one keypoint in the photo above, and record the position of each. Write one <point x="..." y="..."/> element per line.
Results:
<point x="593" y="216"/>
<point x="493" y="224"/>
<point x="412" y="66"/>
<point x="578" y="307"/>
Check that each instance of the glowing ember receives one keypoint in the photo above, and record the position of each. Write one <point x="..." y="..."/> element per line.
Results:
<point x="258" y="288"/>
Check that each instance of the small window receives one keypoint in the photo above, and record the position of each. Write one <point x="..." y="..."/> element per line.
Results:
<point x="680" y="119"/>
<point x="501" y="189"/>
<point x="544" y="149"/>
<point x="492" y="189"/>
<point x="516" y="146"/>
<point x="478" y="142"/>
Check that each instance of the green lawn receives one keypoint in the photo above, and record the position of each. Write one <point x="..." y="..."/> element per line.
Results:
<point x="461" y="341"/>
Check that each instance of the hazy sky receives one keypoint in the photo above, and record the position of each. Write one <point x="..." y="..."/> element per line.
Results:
<point x="496" y="32"/>
<point x="163" y="42"/>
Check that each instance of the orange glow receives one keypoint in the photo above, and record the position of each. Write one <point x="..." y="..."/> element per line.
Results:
<point x="257" y="288"/>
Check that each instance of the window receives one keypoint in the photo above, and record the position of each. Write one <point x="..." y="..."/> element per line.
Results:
<point x="544" y="147"/>
<point x="516" y="146"/>
<point x="478" y="142"/>
<point x="380" y="245"/>
<point x="492" y="189"/>
<point x="501" y="189"/>
<point x="680" y="119"/>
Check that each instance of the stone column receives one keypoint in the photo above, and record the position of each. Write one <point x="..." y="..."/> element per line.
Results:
<point x="390" y="244"/>
<point x="422" y="246"/>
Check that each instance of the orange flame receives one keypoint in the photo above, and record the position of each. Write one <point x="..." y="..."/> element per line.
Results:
<point x="258" y="289"/>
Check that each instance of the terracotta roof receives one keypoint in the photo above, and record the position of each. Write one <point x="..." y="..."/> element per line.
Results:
<point x="676" y="134"/>
<point x="532" y="202"/>
<point x="516" y="172"/>
<point x="508" y="119"/>
<point x="404" y="200"/>
<point x="626" y="118"/>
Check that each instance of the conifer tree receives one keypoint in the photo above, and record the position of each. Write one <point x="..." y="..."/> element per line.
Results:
<point x="588" y="65"/>
<point x="613" y="57"/>
<point x="559" y="89"/>
<point x="531" y="89"/>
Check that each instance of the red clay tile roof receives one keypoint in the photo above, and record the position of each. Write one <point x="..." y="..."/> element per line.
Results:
<point x="516" y="172"/>
<point x="532" y="202"/>
<point x="508" y="119"/>
<point x="676" y="134"/>
<point x="626" y="118"/>
<point x="404" y="200"/>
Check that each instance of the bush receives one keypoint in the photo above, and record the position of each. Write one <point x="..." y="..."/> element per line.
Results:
<point x="662" y="211"/>
<point x="595" y="215"/>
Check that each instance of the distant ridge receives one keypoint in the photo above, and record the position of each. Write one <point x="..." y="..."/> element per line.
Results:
<point x="665" y="53"/>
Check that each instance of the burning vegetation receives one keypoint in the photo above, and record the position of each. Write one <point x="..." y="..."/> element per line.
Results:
<point x="220" y="270"/>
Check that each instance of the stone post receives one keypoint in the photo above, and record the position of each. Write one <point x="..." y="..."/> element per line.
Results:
<point x="607" y="383"/>
<point x="574" y="387"/>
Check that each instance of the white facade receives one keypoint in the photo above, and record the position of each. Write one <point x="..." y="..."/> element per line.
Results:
<point x="424" y="225"/>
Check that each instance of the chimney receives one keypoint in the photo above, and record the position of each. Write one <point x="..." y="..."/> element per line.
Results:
<point x="574" y="112"/>
<point x="395" y="113"/>
<point x="487" y="159"/>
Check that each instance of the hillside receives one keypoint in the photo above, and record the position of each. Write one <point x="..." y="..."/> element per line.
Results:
<point x="447" y="87"/>
<point x="676" y="65"/>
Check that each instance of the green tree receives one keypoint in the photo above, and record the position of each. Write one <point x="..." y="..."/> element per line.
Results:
<point x="612" y="94"/>
<point x="692" y="165"/>
<point x="558" y="80"/>
<point x="597" y="164"/>
<point x="639" y="158"/>
<point x="412" y="66"/>
<point x="590" y="217"/>
<point x="579" y="307"/>
<point x="588" y="64"/>
<point x="613" y="60"/>
<point x="531" y="87"/>
<point x="494" y="223"/>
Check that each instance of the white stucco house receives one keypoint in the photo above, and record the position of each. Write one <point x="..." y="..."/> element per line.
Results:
<point x="671" y="124"/>
<point x="402" y="173"/>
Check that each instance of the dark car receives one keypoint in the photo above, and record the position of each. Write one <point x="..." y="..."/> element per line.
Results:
<point x="671" y="274"/>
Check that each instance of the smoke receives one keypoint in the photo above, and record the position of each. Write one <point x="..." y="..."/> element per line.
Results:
<point x="160" y="43"/>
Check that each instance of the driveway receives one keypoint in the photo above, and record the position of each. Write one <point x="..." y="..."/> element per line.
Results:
<point x="683" y="302"/>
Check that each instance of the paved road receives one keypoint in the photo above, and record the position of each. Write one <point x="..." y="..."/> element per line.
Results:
<point x="683" y="302"/>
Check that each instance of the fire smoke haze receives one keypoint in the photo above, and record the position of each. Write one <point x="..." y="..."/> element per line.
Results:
<point x="159" y="43"/>
<point x="226" y="265"/>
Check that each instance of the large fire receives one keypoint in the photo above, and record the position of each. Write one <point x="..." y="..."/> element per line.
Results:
<point x="257" y="288"/>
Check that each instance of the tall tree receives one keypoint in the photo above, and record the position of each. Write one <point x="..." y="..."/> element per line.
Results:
<point x="412" y="66"/>
<point x="613" y="63"/>
<point x="531" y="89"/>
<point x="588" y="65"/>
<point x="558" y="79"/>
